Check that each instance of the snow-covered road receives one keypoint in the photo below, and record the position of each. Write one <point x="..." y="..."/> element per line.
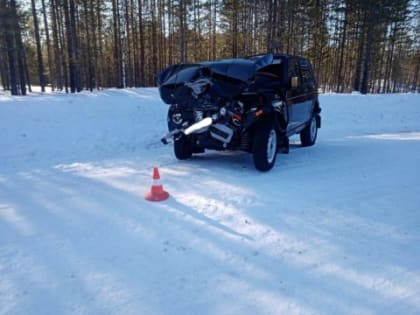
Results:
<point x="332" y="229"/>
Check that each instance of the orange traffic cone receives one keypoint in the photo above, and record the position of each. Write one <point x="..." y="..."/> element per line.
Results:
<point x="156" y="192"/>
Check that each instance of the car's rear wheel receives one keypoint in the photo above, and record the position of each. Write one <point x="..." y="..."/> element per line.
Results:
<point x="309" y="133"/>
<point x="183" y="148"/>
<point x="264" y="148"/>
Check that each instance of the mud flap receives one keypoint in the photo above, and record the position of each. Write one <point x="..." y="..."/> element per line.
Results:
<point x="284" y="144"/>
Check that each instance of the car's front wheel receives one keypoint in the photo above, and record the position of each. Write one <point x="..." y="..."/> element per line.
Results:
<point x="183" y="148"/>
<point x="264" y="148"/>
<point x="309" y="133"/>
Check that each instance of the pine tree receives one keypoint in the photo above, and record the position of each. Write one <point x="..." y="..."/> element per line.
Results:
<point x="38" y="48"/>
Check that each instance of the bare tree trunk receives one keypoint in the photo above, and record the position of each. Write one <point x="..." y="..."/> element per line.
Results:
<point x="142" y="44"/>
<point x="134" y="46"/>
<point x="183" y="29"/>
<point x="65" y="58"/>
<point x="47" y="37"/>
<point x="95" y="61"/>
<point x="390" y="59"/>
<point x="160" y="24"/>
<point x="19" y="48"/>
<point x="26" y="71"/>
<point x="69" y="17"/>
<point x="210" y="30"/>
<point x="367" y="60"/>
<point x="415" y="85"/>
<point x="234" y="31"/>
<point x="154" y="38"/>
<point x="342" y="46"/>
<point x="100" y="64"/>
<point x="170" y="44"/>
<point x="359" y="62"/>
<point x="271" y="24"/>
<point x="4" y="75"/>
<point x="90" y="71"/>
<point x="213" y="32"/>
<point x="9" y="43"/>
<point x="117" y="44"/>
<point x="58" y="73"/>
<point x="38" y="48"/>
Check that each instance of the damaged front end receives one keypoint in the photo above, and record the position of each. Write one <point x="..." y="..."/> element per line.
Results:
<point x="214" y="104"/>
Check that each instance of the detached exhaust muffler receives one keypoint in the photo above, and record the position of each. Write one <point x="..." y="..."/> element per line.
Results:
<point x="204" y="123"/>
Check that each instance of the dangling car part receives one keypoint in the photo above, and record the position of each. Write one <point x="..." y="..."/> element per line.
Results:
<point x="251" y="104"/>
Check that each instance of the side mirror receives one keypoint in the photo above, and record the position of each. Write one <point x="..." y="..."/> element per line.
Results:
<point x="294" y="82"/>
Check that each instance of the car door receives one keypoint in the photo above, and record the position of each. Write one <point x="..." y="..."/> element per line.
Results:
<point x="303" y="111"/>
<point x="294" y="95"/>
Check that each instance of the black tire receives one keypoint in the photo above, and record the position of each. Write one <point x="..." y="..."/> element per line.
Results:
<point x="309" y="133"/>
<point x="183" y="148"/>
<point x="264" y="147"/>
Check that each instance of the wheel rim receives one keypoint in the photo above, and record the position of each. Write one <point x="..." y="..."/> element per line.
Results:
<point x="271" y="146"/>
<point x="313" y="129"/>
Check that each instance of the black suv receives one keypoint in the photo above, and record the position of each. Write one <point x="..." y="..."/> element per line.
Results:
<point x="252" y="104"/>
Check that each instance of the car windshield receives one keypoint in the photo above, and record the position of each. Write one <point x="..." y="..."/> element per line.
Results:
<point x="275" y="60"/>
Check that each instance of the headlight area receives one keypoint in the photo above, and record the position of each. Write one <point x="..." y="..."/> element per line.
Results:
<point x="178" y="119"/>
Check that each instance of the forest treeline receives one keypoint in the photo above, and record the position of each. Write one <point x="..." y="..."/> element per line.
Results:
<point x="354" y="45"/>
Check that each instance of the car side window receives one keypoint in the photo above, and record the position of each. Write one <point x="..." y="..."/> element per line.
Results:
<point x="306" y="76"/>
<point x="294" y="74"/>
<point x="293" y="68"/>
<point x="305" y="70"/>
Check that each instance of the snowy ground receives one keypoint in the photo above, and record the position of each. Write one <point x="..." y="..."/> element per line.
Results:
<point x="332" y="229"/>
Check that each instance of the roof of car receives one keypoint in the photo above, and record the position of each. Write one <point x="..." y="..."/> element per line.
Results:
<point x="275" y="56"/>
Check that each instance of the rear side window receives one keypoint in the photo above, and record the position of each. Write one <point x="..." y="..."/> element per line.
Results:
<point x="306" y="72"/>
<point x="293" y="68"/>
<point x="307" y="76"/>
